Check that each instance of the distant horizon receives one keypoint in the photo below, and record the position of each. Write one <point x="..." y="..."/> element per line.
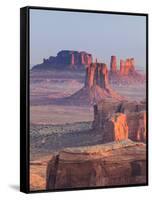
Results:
<point x="101" y="35"/>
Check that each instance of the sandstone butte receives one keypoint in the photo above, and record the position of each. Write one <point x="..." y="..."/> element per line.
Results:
<point x="127" y="67"/>
<point x="75" y="60"/>
<point x="113" y="64"/>
<point x="66" y="59"/>
<point x="95" y="89"/>
<point x="111" y="164"/>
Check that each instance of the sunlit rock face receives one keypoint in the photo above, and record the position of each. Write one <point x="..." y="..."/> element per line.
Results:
<point x="126" y="66"/>
<point x="129" y="66"/>
<point x="120" y="120"/>
<point x="113" y="64"/>
<point x="116" y="128"/>
<point x="100" y="165"/>
<point x="122" y="67"/>
<point x="137" y="126"/>
<point x="97" y="74"/>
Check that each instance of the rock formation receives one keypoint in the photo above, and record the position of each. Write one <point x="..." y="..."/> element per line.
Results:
<point x="129" y="66"/>
<point x="96" y="88"/>
<point x="115" y="128"/>
<point x="122" y="67"/>
<point x="113" y="64"/>
<point x="95" y="166"/>
<point x="127" y="74"/>
<point x="66" y="59"/>
<point x="97" y="74"/>
<point x="126" y="67"/>
<point x="78" y="61"/>
<point x="137" y="126"/>
<point x="119" y="120"/>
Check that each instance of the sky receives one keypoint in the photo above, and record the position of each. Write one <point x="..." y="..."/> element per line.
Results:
<point x="102" y="35"/>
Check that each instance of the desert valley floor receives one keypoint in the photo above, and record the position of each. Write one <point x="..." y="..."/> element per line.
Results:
<point x="54" y="127"/>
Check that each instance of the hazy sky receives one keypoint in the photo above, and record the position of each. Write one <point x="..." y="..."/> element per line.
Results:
<point x="102" y="35"/>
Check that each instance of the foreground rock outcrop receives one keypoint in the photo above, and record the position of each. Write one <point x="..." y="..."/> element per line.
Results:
<point x="101" y="165"/>
<point x="120" y="120"/>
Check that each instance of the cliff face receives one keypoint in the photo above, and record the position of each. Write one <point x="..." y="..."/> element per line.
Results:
<point x="120" y="120"/>
<point x="100" y="165"/>
<point x="97" y="74"/>
<point x="137" y="126"/>
<point x="66" y="59"/>
<point x="113" y="64"/>
<point x="127" y="67"/>
<point x="116" y="128"/>
<point x="122" y="67"/>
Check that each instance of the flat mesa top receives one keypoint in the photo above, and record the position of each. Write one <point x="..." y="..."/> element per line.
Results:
<point x="126" y="150"/>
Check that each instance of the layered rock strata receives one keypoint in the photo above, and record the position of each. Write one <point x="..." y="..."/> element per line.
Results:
<point x="113" y="64"/>
<point x="119" y="120"/>
<point x="66" y="59"/>
<point x="127" y="66"/>
<point x="95" y="166"/>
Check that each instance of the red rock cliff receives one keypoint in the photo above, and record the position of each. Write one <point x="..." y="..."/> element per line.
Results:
<point x="101" y="165"/>
<point x="129" y="66"/>
<point x="66" y="59"/>
<point x="97" y="74"/>
<point x="117" y="120"/>
<point x="113" y="64"/>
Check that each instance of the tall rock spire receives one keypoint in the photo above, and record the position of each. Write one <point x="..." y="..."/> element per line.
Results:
<point x="97" y="74"/>
<point x="113" y="64"/>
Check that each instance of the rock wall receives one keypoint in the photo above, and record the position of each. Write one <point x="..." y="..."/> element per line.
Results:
<point x="66" y="59"/>
<point x="126" y="66"/>
<point x="116" y="128"/>
<point x="97" y="74"/>
<point x="96" y="166"/>
<point x="122" y="67"/>
<point x="117" y="120"/>
<point x="73" y="58"/>
<point x="129" y="66"/>
<point x="137" y="126"/>
<point x="113" y="64"/>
